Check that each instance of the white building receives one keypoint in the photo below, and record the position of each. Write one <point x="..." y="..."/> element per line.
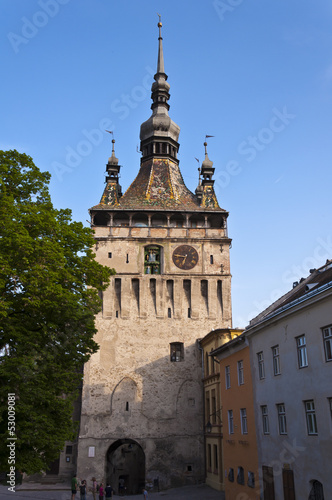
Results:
<point x="291" y="359"/>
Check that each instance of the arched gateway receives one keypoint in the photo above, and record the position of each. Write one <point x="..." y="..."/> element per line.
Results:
<point x="125" y="462"/>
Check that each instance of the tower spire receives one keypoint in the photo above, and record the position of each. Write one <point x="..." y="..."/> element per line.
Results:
<point x="159" y="134"/>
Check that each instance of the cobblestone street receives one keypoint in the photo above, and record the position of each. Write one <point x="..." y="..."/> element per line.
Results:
<point x="199" y="492"/>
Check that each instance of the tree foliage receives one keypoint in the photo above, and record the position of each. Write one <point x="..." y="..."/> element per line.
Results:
<point x="49" y="284"/>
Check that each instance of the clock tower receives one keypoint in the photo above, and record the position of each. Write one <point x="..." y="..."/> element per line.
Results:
<point x="142" y="397"/>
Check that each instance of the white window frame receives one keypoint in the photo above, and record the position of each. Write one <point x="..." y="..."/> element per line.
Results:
<point x="261" y="367"/>
<point x="228" y="376"/>
<point x="327" y="339"/>
<point x="265" y="419"/>
<point x="240" y="373"/>
<point x="244" y="421"/>
<point x="302" y="356"/>
<point x="311" y="417"/>
<point x="276" y="360"/>
<point x="282" y="423"/>
<point x="230" y="422"/>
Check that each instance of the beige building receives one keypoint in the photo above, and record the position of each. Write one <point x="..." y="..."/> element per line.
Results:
<point x="142" y="399"/>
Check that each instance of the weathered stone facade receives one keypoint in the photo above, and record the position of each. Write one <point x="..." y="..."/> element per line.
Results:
<point x="142" y="399"/>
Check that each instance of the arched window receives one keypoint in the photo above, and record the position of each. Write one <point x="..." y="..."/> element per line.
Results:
<point x="101" y="219"/>
<point x="158" y="220"/>
<point x="140" y="220"/>
<point x="177" y="220"/>
<point x="121" y="219"/>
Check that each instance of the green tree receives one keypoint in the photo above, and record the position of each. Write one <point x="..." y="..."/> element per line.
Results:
<point x="49" y="296"/>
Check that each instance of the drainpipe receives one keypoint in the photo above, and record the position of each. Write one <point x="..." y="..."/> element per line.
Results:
<point x="202" y="354"/>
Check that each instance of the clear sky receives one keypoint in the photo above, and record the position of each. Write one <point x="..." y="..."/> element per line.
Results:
<point x="255" y="74"/>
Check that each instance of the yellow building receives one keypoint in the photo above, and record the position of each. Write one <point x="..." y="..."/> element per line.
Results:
<point x="213" y="430"/>
<point x="240" y="457"/>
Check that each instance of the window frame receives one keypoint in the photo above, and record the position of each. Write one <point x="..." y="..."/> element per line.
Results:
<point x="302" y="355"/>
<point x="310" y="415"/>
<point x="228" y="377"/>
<point x="327" y="340"/>
<point x="176" y="352"/>
<point x="261" y="366"/>
<point x="244" y="421"/>
<point x="240" y="372"/>
<point x="230" y="418"/>
<point x="265" y="420"/>
<point x="276" y="360"/>
<point x="282" y="421"/>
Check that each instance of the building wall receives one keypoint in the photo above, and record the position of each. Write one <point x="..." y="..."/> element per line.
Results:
<point x="240" y="448"/>
<point x="308" y="456"/>
<point x="214" y="475"/>
<point x="132" y="390"/>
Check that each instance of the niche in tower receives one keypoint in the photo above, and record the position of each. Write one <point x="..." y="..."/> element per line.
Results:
<point x="117" y="297"/>
<point x="153" y="293"/>
<point x="204" y="293"/>
<point x="187" y="296"/>
<point x="170" y="298"/>
<point x="135" y="293"/>
<point x="219" y="294"/>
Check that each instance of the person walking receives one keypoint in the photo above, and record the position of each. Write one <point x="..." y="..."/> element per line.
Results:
<point x="145" y="494"/>
<point x="101" y="491"/>
<point x="108" y="492"/>
<point x="83" y="490"/>
<point x="74" y="487"/>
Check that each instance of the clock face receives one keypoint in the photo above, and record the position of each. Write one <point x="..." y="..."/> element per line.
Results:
<point x="185" y="257"/>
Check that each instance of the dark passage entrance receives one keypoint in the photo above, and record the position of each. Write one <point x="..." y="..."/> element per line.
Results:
<point x="126" y="466"/>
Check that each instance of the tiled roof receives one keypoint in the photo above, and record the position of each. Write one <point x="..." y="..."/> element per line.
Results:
<point x="158" y="185"/>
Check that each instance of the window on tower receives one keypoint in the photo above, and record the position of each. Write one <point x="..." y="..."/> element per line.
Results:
<point x="177" y="351"/>
<point x="152" y="259"/>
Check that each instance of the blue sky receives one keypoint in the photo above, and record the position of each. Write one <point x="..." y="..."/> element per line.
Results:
<point x="255" y="74"/>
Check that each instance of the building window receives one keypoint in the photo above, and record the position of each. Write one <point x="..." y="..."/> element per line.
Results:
<point x="215" y="454"/>
<point x="265" y="420"/>
<point x="231" y="475"/>
<point x="230" y="422"/>
<point x="261" y="368"/>
<point x="251" y="479"/>
<point x="311" y="418"/>
<point x="109" y="255"/>
<point x="282" y="419"/>
<point x="330" y="406"/>
<point x="327" y="336"/>
<point x="209" y="458"/>
<point x="152" y="260"/>
<point x="244" y="425"/>
<point x="69" y="449"/>
<point x="240" y="372"/>
<point x="228" y="377"/>
<point x="302" y="351"/>
<point x="177" y="351"/>
<point x="207" y="364"/>
<point x="211" y="259"/>
<point x="240" y="475"/>
<point x="276" y="360"/>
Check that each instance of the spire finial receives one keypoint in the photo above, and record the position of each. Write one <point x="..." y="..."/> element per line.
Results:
<point x="160" y="65"/>
<point x="113" y="158"/>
